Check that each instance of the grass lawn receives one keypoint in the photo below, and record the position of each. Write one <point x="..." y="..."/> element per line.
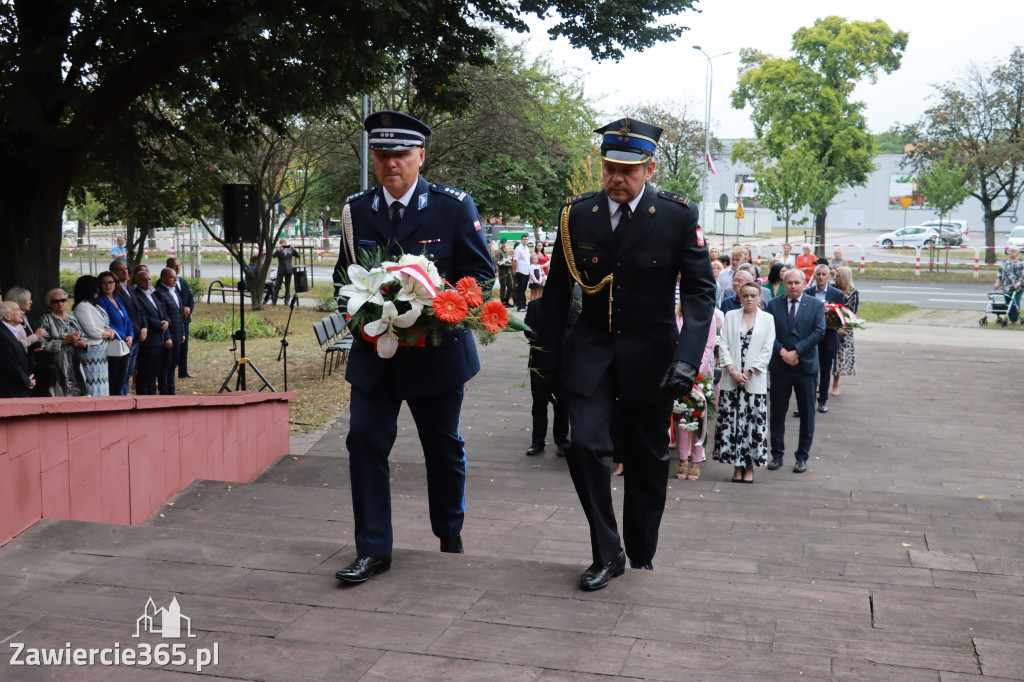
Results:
<point x="880" y="312"/>
<point x="316" y="401"/>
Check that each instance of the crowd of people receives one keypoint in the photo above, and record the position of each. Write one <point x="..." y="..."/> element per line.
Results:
<point x="522" y="274"/>
<point x="115" y="327"/>
<point x="760" y="357"/>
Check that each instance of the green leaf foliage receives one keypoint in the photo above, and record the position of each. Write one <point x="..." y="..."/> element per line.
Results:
<point x="977" y="124"/>
<point x="807" y="99"/>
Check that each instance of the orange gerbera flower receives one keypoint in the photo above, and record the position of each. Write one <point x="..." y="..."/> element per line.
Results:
<point x="470" y="291"/>
<point x="449" y="306"/>
<point x="494" y="316"/>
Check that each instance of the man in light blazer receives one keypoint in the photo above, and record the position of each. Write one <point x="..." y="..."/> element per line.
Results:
<point x="826" y="293"/>
<point x="799" y="328"/>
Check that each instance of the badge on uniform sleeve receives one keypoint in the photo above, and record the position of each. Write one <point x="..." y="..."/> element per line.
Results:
<point x="376" y="203"/>
<point x="423" y="201"/>
<point x="700" y="237"/>
<point x="476" y="225"/>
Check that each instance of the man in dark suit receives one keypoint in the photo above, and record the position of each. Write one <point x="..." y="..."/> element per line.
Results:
<point x="799" y="328"/>
<point x="624" y="360"/>
<point x="15" y="380"/>
<point x="188" y="302"/>
<point x="120" y="272"/>
<point x="154" y="335"/>
<point x="285" y="269"/>
<point x="826" y="293"/>
<point x="167" y="293"/>
<point x="408" y="215"/>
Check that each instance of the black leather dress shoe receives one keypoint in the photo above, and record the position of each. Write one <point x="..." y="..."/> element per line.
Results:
<point x="535" y="450"/>
<point x="187" y="375"/>
<point x="561" y="450"/>
<point x="799" y="467"/>
<point x="646" y="566"/>
<point x="774" y="464"/>
<point x="796" y="413"/>
<point x="597" y="576"/>
<point x="452" y="545"/>
<point x="360" y="570"/>
<point x="822" y="407"/>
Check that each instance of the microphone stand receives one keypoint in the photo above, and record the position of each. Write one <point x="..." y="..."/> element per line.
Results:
<point x="283" y="353"/>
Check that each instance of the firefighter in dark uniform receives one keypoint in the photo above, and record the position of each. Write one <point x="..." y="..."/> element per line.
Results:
<point x="624" y="361"/>
<point x="408" y="215"/>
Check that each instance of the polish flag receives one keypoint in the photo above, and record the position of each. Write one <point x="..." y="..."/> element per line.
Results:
<point x="711" y="164"/>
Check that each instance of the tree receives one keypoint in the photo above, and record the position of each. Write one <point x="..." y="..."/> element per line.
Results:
<point x="786" y="184"/>
<point x="73" y="68"/>
<point x="978" y="123"/>
<point x="944" y="184"/>
<point x="892" y="141"/>
<point x="807" y="98"/>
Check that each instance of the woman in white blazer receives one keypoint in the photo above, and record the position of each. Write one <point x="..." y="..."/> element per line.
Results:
<point x="741" y="436"/>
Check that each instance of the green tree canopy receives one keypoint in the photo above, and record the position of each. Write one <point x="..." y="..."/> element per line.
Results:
<point x="74" y="67"/>
<point x="807" y="98"/>
<point x="978" y="124"/>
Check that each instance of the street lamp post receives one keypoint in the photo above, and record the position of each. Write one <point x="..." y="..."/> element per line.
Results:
<point x="708" y="80"/>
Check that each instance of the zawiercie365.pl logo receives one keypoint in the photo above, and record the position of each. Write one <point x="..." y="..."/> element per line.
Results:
<point x="168" y="623"/>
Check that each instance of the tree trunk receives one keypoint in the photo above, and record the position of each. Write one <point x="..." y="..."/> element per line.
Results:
<point x="990" y="233"/>
<point x="819" y="232"/>
<point x="31" y="204"/>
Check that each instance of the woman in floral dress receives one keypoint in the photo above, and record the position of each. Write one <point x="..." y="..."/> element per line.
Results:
<point x="845" y="364"/>
<point x="748" y="336"/>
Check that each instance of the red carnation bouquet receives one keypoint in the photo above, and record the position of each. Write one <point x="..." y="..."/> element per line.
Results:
<point x="407" y="303"/>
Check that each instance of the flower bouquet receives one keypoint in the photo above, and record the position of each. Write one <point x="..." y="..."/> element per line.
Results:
<point x="693" y="410"/>
<point x="408" y="303"/>
<point x="840" y="317"/>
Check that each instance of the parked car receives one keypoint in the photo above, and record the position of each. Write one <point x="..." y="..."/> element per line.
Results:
<point x="1016" y="238"/>
<point x="912" y="236"/>
<point x="961" y="225"/>
<point x="949" y="235"/>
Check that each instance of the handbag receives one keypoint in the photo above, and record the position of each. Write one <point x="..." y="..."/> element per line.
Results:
<point x="116" y="347"/>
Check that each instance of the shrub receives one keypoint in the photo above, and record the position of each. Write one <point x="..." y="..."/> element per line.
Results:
<point x="327" y="303"/>
<point x="220" y="329"/>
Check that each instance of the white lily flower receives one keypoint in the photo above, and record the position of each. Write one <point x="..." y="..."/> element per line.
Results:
<point x="365" y="287"/>
<point x="384" y="328"/>
<point x="413" y="291"/>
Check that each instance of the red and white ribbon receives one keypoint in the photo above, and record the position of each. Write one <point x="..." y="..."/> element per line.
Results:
<point x="417" y="273"/>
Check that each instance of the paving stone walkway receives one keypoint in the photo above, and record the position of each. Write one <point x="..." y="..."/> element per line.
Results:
<point x="898" y="556"/>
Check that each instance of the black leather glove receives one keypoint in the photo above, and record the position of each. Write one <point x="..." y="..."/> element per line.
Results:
<point x="678" y="379"/>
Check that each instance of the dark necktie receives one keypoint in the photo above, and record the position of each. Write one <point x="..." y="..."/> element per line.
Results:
<point x="396" y="216"/>
<point x="792" y="312"/>
<point x="625" y="214"/>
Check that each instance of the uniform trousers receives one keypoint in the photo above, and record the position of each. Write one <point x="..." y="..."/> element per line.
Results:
<point x="372" y="432"/>
<point x="783" y="383"/>
<point x="540" y="390"/>
<point x="642" y="443"/>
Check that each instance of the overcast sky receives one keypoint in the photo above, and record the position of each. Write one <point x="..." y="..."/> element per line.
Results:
<point x="943" y="40"/>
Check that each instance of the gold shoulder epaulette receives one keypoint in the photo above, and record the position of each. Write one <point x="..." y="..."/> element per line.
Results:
<point x="573" y="199"/>
<point x="672" y="196"/>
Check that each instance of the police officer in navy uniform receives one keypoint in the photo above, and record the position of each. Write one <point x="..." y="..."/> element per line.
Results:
<point x="624" y="361"/>
<point x="408" y="215"/>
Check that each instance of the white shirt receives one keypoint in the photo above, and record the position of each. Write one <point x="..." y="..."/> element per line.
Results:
<point x="522" y="258"/>
<point x="174" y="295"/>
<point x="14" y="330"/>
<point x="405" y="198"/>
<point x="615" y="208"/>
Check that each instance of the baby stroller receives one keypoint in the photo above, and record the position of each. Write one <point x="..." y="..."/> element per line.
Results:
<point x="1003" y="306"/>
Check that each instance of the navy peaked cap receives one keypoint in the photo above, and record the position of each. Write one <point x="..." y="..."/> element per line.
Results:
<point x="628" y="141"/>
<point x="395" y="131"/>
